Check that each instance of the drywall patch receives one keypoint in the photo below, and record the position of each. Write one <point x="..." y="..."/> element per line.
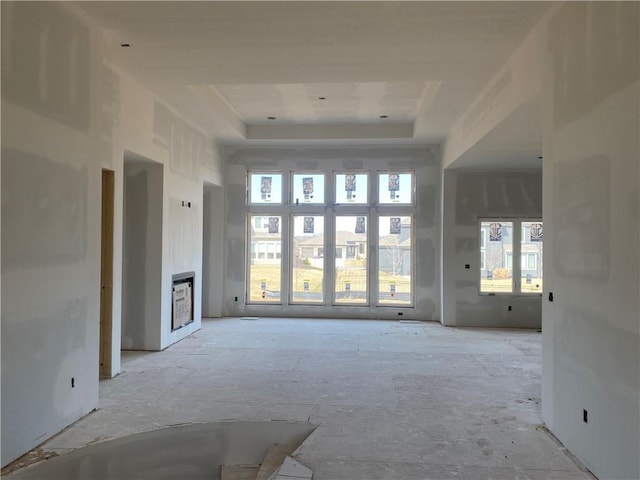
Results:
<point x="52" y="81"/>
<point x="466" y="244"/>
<point x="307" y="165"/>
<point x="353" y="164"/>
<point x="496" y="93"/>
<point x="427" y="308"/>
<point x="581" y="206"/>
<point x="236" y="196"/>
<point x="426" y="274"/>
<point x="235" y="249"/>
<point x="427" y="201"/>
<point x="40" y="195"/>
<point x="187" y="147"/>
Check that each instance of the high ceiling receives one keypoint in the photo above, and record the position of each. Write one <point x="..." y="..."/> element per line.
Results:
<point x="231" y="65"/>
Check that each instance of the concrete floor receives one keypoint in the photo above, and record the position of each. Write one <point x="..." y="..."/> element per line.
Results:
<point x="392" y="400"/>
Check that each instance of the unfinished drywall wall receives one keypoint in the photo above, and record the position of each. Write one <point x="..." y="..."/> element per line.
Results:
<point x="153" y="130"/>
<point x="469" y="196"/>
<point x="50" y="222"/>
<point x="142" y="255"/>
<point x="67" y="112"/>
<point x="591" y="329"/>
<point x="425" y="161"/>
<point x="212" y="254"/>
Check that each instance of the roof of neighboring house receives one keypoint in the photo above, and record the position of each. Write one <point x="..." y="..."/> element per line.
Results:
<point x="342" y="238"/>
<point x="393" y="241"/>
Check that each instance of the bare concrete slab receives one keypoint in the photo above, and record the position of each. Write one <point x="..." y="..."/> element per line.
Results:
<point x="393" y="401"/>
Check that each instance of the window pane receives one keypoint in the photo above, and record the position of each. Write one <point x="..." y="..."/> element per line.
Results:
<point x="352" y="188"/>
<point x="307" y="188"/>
<point x="496" y="272"/>
<point x="307" y="270"/>
<point x="531" y="264"/>
<point x="394" y="261"/>
<point x="265" y="188"/>
<point x="351" y="268"/>
<point x="265" y="270"/>
<point x="395" y="188"/>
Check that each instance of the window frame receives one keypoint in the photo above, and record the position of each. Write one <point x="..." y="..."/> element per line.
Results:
<point x="302" y="173"/>
<point x="349" y="211"/>
<point x="411" y="204"/>
<point x="334" y="193"/>
<point x="412" y="283"/>
<point x="248" y="260"/>
<point x="249" y="186"/>
<point x="292" y="257"/>
<point x="516" y="253"/>
<point x="330" y="210"/>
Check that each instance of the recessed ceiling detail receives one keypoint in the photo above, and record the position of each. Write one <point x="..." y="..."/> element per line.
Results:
<point x="326" y="70"/>
<point x="301" y="104"/>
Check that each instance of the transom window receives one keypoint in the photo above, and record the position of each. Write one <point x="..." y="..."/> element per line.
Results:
<point x="265" y="188"/>
<point x="339" y="260"/>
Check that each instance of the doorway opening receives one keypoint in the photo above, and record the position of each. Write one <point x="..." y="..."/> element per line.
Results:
<point x="106" y="275"/>
<point x="212" y="250"/>
<point x="142" y="254"/>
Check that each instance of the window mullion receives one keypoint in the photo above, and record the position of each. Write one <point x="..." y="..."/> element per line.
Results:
<point x="329" y="216"/>
<point x="517" y="253"/>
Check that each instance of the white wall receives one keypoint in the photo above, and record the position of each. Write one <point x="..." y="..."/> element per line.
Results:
<point x="591" y="187"/>
<point x="51" y="174"/>
<point x="67" y="112"/>
<point x="469" y="196"/>
<point x="425" y="161"/>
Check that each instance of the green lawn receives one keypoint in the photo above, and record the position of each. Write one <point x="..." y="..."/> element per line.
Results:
<point x="505" y="285"/>
<point x="355" y="275"/>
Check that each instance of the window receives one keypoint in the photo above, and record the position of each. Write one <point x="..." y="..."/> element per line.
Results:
<point x="307" y="269"/>
<point x="351" y="273"/>
<point x="499" y="273"/>
<point x="498" y="257"/>
<point x="265" y="188"/>
<point x="308" y="189"/>
<point x="531" y="257"/>
<point x="352" y="188"/>
<point x="297" y="206"/>
<point x="265" y="271"/>
<point x="395" y="260"/>
<point x="395" y="188"/>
